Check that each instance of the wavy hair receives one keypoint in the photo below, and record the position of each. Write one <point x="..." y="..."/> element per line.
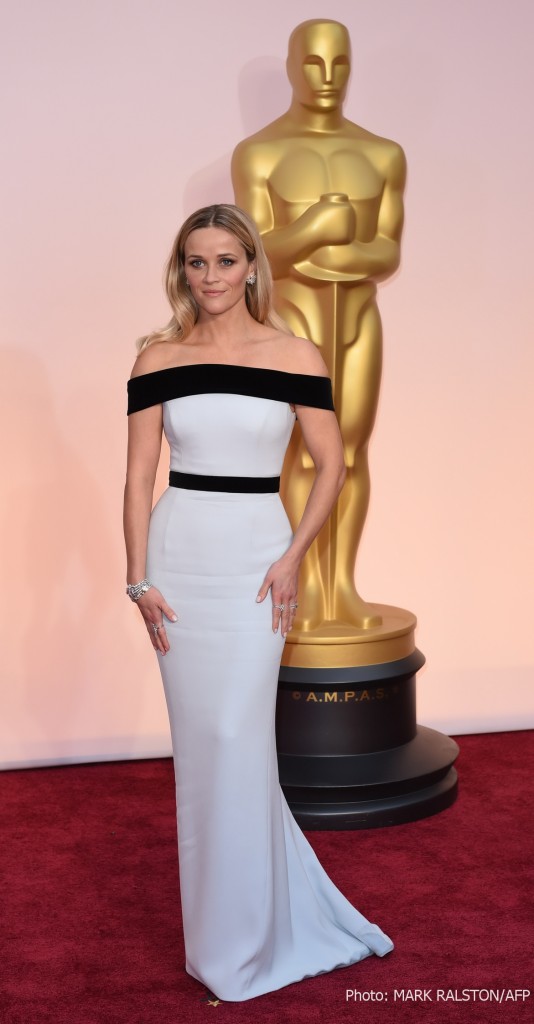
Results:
<point x="184" y="308"/>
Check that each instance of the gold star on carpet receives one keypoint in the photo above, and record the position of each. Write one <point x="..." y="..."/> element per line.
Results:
<point x="211" y="999"/>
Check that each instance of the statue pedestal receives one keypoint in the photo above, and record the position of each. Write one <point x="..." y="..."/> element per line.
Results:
<point x="350" y="753"/>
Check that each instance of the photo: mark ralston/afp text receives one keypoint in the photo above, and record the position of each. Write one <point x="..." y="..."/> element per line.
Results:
<point x="438" y="995"/>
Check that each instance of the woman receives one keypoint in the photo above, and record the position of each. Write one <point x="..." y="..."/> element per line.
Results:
<point x="214" y="571"/>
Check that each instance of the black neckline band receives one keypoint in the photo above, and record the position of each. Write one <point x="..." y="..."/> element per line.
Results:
<point x="173" y="382"/>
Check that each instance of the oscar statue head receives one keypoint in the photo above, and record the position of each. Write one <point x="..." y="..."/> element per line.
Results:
<point x="318" y="64"/>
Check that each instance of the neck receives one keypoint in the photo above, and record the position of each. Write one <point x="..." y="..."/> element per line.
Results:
<point x="225" y="332"/>
<point x="316" y="120"/>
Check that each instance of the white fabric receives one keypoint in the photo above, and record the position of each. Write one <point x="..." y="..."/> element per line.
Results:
<point x="259" y="911"/>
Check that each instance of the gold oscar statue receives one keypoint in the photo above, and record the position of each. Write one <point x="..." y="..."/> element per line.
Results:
<point x="327" y="196"/>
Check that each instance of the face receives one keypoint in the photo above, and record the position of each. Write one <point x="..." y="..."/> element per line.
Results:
<point x="318" y="65"/>
<point x="216" y="267"/>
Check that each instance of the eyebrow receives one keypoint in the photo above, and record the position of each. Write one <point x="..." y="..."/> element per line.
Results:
<point x="197" y="256"/>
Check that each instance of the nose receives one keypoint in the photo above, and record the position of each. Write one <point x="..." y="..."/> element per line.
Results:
<point x="334" y="72"/>
<point x="211" y="273"/>
<point x="328" y="72"/>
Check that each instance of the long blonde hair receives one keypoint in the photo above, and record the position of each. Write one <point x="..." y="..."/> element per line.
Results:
<point x="185" y="310"/>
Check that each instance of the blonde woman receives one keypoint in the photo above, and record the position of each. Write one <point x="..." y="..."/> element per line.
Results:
<point x="214" y="570"/>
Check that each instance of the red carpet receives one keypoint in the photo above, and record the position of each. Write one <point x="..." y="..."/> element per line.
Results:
<point x="91" y="919"/>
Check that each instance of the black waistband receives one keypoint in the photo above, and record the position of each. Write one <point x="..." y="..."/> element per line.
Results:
<point x="234" y="484"/>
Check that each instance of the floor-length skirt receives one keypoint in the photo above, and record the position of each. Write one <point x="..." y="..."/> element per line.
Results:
<point x="259" y="911"/>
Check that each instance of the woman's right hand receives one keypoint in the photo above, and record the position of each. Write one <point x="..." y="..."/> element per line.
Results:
<point x="153" y="607"/>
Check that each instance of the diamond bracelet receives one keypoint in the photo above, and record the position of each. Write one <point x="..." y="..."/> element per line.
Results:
<point x="136" y="590"/>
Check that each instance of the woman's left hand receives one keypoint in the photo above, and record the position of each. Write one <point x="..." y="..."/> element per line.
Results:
<point x="281" y="579"/>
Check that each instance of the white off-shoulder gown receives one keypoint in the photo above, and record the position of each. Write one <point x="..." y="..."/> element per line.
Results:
<point x="259" y="911"/>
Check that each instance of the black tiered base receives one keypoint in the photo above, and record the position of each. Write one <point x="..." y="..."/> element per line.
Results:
<point x="350" y="753"/>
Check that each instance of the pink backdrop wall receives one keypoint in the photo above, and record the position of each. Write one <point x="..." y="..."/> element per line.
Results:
<point x="120" y="117"/>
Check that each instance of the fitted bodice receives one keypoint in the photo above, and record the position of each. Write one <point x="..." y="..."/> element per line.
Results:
<point x="222" y="419"/>
<point x="227" y="435"/>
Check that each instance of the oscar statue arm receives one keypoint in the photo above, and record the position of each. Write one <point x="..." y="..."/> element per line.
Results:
<point x="380" y="257"/>
<point x="322" y="223"/>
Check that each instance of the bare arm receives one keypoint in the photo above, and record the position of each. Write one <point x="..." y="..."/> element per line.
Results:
<point x="144" y="446"/>
<point x="323" y="440"/>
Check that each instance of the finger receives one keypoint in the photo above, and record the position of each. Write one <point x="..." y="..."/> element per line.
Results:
<point x="264" y="589"/>
<point x="152" y="636"/>
<point x="168" y="612"/>
<point x="163" y="642"/>
<point x="278" y="611"/>
<point x="159" y="639"/>
<point x="287" y="623"/>
<point x="293" y="605"/>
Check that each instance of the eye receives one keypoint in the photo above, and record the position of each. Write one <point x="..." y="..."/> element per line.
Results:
<point x="196" y="263"/>
<point x="227" y="262"/>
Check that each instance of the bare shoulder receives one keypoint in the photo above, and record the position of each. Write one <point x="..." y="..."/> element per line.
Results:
<point x="303" y="356"/>
<point x="156" y="357"/>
